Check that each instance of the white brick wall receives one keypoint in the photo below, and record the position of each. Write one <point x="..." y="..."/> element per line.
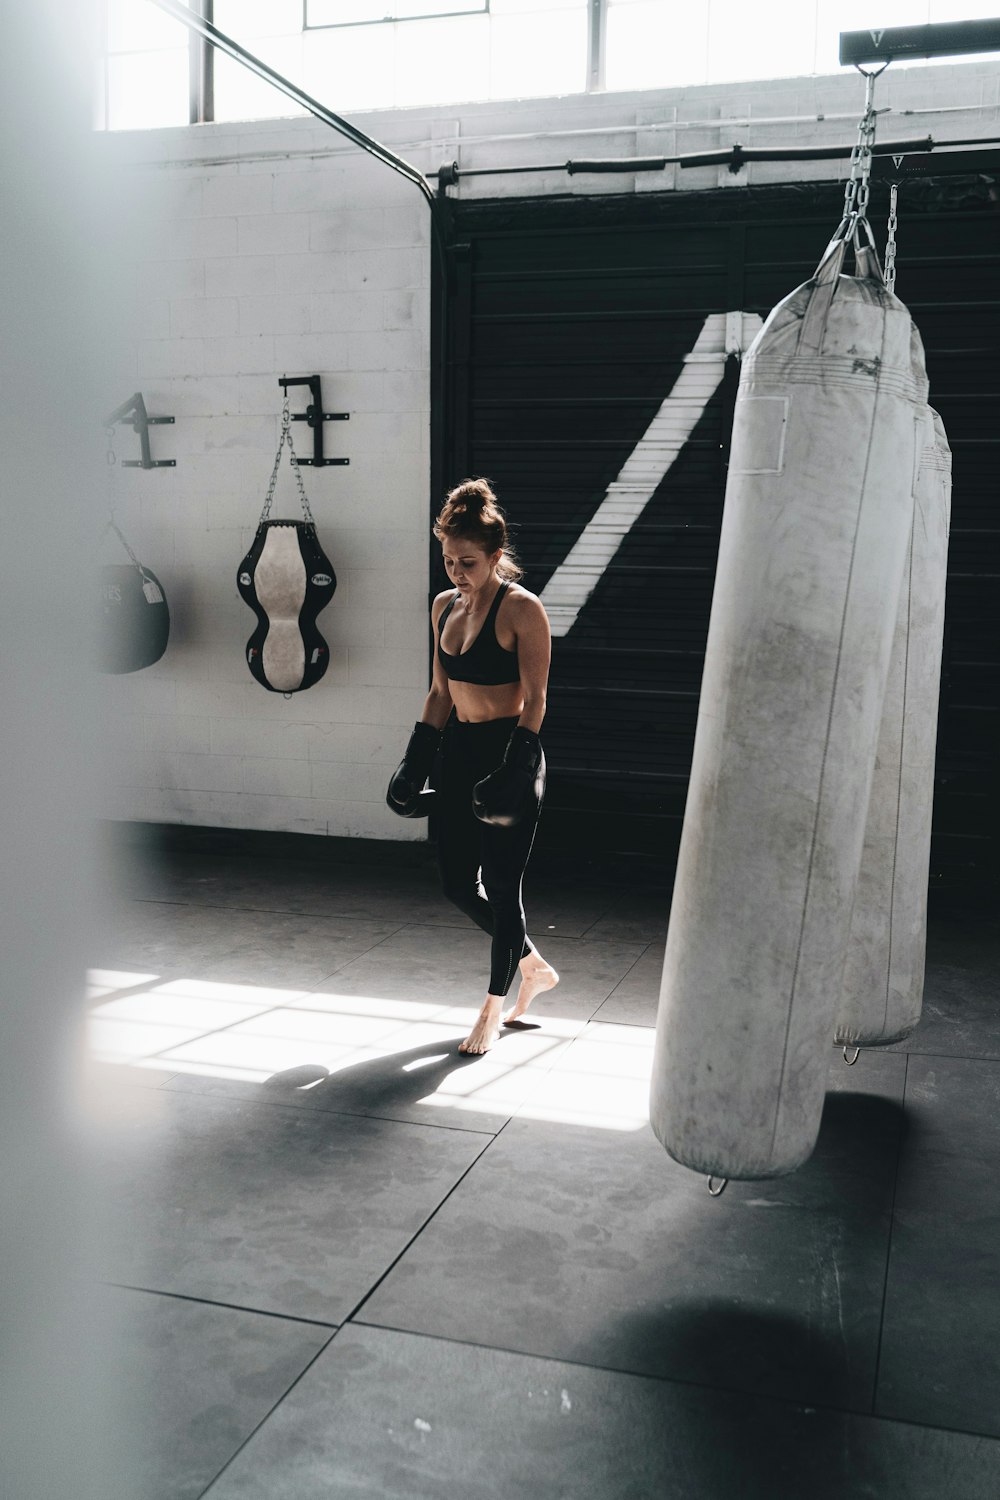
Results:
<point x="268" y="248"/>
<point x="243" y="270"/>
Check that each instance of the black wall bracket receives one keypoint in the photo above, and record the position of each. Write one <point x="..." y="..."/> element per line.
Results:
<point x="141" y="422"/>
<point x="315" y="416"/>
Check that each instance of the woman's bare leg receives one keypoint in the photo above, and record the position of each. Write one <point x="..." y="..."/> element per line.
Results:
<point x="536" y="976"/>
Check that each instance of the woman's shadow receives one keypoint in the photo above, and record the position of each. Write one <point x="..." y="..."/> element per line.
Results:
<point x="380" y="1086"/>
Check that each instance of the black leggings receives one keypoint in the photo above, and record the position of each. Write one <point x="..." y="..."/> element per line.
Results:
<point x="466" y="847"/>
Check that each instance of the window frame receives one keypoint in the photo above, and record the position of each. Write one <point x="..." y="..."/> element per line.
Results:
<point x="473" y="8"/>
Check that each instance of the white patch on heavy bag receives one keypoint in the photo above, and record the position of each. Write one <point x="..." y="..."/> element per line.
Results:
<point x="884" y="977"/>
<point x="817" y="520"/>
<point x="280" y="581"/>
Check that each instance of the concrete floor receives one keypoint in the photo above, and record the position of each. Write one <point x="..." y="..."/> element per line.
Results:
<point x="348" y="1262"/>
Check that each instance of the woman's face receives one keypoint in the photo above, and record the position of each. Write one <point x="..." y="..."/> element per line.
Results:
<point x="468" y="566"/>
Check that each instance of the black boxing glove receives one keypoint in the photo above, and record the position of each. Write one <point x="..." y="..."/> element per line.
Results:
<point x="503" y="797"/>
<point x="405" y="794"/>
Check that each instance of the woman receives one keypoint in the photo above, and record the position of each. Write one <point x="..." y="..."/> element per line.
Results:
<point x="491" y="667"/>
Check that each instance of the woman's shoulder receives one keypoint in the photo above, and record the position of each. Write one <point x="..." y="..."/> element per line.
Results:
<point x="440" y="600"/>
<point x="522" y="605"/>
<point x="518" y="594"/>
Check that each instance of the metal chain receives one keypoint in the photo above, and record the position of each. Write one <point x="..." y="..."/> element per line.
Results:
<point x="286" y="437"/>
<point x="890" y="243"/>
<point x="112" y="524"/>
<point x="856" y="192"/>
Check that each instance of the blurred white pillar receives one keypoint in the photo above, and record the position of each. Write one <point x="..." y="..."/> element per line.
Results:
<point x="56" y="1405"/>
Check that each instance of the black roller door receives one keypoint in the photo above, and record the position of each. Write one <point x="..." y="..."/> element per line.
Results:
<point x="567" y="323"/>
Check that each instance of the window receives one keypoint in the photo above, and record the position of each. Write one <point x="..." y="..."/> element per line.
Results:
<point x="147" y="67"/>
<point x="381" y="54"/>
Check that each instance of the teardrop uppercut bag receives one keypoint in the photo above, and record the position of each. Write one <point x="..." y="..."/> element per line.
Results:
<point x="818" y="515"/>
<point x="884" y="976"/>
<point x="286" y="578"/>
<point x="133" y="621"/>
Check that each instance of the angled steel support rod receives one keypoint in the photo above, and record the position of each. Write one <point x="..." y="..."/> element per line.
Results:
<point x="239" y="54"/>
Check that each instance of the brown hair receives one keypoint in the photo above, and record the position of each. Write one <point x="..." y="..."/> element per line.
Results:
<point x="471" y="514"/>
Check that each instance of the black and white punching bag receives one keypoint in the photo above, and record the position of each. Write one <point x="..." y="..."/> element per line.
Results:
<point x="884" y="976"/>
<point x="286" y="578"/>
<point x="819" y="504"/>
<point x="133" y="620"/>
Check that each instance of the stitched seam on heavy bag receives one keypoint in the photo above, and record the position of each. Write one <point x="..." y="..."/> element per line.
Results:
<point x="933" y="458"/>
<point x="908" y="585"/>
<point x="832" y="370"/>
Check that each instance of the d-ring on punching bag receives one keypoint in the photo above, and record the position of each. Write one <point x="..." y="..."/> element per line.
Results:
<point x="818" y="512"/>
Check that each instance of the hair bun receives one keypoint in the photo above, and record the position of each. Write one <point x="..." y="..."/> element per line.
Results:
<point x="473" y="497"/>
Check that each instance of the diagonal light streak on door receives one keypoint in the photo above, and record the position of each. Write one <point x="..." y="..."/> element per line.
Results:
<point x="573" y="582"/>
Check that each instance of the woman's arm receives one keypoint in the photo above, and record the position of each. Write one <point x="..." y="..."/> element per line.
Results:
<point x="534" y="654"/>
<point x="437" y="704"/>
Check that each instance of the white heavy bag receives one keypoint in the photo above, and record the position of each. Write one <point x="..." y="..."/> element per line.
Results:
<point x="884" y="976"/>
<point x="817" y="520"/>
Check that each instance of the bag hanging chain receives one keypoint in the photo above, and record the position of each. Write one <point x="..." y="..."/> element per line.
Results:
<point x="112" y="524"/>
<point x="286" y="437"/>
<point x="856" y="192"/>
<point x="890" y="243"/>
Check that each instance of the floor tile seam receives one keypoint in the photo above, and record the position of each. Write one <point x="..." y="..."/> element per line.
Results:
<point x="666" y="1380"/>
<point x="217" y="1030"/>
<point x="976" y="1057"/>
<point x="354" y="959"/>
<point x="241" y="1307"/>
<point x="418" y="1232"/>
<point x="967" y="1432"/>
<point x="122" y="992"/>
<point x="597" y="919"/>
<point x="640" y="1025"/>
<point x="888" y="1244"/>
<point x="312" y="1110"/>
<point x="638" y="959"/>
<point x="560" y="937"/>
<point x="274" y="911"/>
<point x="268" y="1415"/>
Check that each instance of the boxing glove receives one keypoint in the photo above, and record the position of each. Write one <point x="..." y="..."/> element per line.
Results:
<point x="503" y="797"/>
<point x="405" y="795"/>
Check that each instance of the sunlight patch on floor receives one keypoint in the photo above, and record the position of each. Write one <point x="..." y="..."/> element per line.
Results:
<point x="563" y="1070"/>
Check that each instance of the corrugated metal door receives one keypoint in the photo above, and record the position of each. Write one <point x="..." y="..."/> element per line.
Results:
<point x="568" y="324"/>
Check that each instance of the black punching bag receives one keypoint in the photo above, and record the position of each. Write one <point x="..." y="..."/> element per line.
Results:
<point x="133" y="618"/>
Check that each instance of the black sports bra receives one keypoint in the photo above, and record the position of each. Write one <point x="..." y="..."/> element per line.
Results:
<point x="485" y="662"/>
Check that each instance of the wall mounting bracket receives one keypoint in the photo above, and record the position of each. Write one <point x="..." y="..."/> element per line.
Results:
<point x="141" y="422"/>
<point x="939" y="39"/>
<point x="315" y="416"/>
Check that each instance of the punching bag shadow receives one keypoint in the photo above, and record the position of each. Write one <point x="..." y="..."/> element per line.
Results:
<point x="818" y="514"/>
<point x="286" y="578"/>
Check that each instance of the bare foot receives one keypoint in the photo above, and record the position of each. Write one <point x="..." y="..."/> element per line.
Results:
<point x="535" y="977"/>
<point x="487" y="1027"/>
